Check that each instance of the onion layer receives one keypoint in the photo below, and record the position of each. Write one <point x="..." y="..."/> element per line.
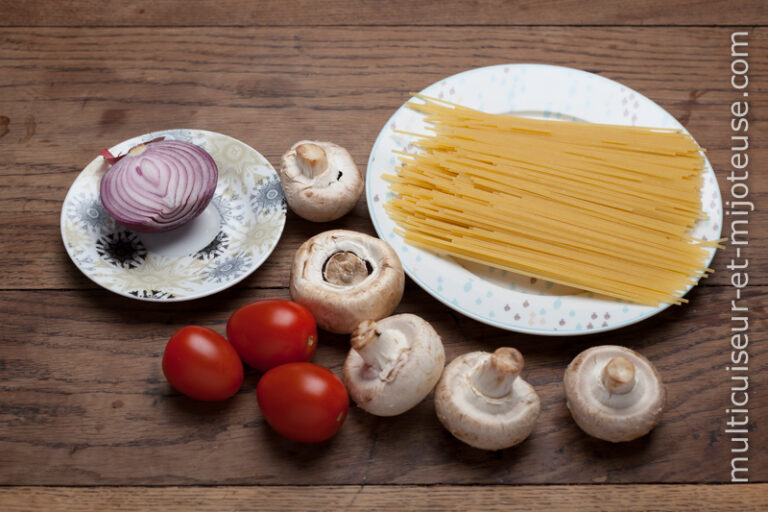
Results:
<point x="159" y="186"/>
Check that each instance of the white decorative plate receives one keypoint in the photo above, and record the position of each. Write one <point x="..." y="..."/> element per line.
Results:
<point x="219" y="248"/>
<point x="499" y="298"/>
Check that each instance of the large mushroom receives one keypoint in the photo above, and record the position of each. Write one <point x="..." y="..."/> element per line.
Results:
<point x="393" y="364"/>
<point x="344" y="277"/>
<point x="320" y="180"/>
<point x="614" y="393"/>
<point x="482" y="400"/>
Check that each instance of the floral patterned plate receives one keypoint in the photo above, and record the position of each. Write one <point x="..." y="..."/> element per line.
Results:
<point x="222" y="246"/>
<point x="499" y="298"/>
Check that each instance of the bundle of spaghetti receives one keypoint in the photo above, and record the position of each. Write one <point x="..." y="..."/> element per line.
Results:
<point x="603" y="208"/>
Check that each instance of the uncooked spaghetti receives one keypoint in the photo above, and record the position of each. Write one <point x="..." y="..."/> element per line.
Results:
<point x="603" y="208"/>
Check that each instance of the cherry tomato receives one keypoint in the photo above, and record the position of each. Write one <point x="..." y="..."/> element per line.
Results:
<point x="200" y="363"/>
<point x="269" y="333"/>
<point x="303" y="401"/>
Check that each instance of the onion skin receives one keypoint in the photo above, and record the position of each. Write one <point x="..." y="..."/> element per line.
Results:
<point x="159" y="186"/>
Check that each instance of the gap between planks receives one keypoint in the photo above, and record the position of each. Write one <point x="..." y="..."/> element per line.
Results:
<point x="402" y="25"/>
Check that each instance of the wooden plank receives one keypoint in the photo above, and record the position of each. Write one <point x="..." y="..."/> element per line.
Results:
<point x="556" y="498"/>
<point x="39" y="260"/>
<point x="368" y="12"/>
<point x="84" y="402"/>
<point x="68" y="92"/>
<point x="38" y="246"/>
<point x="268" y="86"/>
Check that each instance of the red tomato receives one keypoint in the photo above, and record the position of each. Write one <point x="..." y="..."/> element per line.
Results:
<point x="269" y="333"/>
<point x="303" y="401"/>
<point x="200" y="363"/>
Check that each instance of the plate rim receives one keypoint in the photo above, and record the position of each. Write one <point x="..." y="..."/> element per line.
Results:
<point x="208" y="293"/>
<point x="644" y="315"/>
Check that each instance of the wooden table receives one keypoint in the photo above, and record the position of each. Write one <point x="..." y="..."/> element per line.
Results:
<point x="87" y="421"/>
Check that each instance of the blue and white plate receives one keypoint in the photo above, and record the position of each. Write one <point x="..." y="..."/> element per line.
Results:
<point x="496" y="297"/>
<point x="219" y="248"/>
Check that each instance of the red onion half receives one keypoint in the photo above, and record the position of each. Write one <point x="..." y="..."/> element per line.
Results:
<point x="159" y="186"/>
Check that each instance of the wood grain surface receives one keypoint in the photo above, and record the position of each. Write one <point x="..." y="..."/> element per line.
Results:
<point x="551" y="498"/>
<point x="84" y="409"/>
<point x="166" y="13"/>
<point x="87" y="365"/>
<point x="70" y="92"/>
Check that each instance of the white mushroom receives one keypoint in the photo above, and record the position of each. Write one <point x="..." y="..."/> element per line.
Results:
<point x="393" y="364"/>
<point x="344" y="277"/>
<point x="482" y="400"/>
<point x="614" y="393"/>
<point x="320" y="180"/>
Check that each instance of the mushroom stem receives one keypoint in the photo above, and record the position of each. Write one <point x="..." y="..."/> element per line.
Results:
<point x="345" y="269"/>
<point x="380" y="350"/>
<point x="619" y="376"/>
<point x="495" y="378"/>
<point x="312" y="159"/>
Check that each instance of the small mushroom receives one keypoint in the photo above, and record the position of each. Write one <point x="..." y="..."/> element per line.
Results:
<point x="344" y="277"/>
<point x="320" y="180"/>
<point x="482" y="400"/>
<point x="614" y="393"/>
<point x="393" y="364"/>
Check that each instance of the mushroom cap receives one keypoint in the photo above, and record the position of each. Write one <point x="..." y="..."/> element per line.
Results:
<point x="320" y="180"/>
<point x="627" y="411"/>
<point x="407" y="362"/>
<point x="482" y="421"/>
<point x="344" y="277"/>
